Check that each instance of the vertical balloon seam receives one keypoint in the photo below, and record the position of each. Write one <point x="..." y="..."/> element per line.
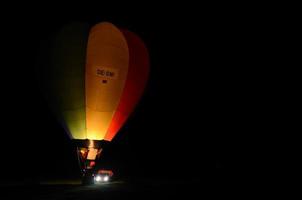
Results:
<point x="124" y="84"/>
<point x="115" y="110"/>
<point x="85" y="68"/>
<point x="115" y="126"/>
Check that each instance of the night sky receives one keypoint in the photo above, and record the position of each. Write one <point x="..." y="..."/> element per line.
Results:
<point x="198" y="101"/>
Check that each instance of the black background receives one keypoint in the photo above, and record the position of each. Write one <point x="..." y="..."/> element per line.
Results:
<point x="200" y="109"/>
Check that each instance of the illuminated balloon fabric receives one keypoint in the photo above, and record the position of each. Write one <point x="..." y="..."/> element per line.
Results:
<point x="135" y="83"/>
<point x="61" y="77"/>
<point x="106" y="73"/>
<point x="98" y="79"/>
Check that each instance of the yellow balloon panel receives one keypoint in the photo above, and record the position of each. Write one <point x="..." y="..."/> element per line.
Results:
<point x="106" y="72"/>
<point x="61" y="75"/>
<point x="75" y="125"/>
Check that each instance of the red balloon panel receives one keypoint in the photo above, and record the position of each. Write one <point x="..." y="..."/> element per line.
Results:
<point x="137" y="76"/>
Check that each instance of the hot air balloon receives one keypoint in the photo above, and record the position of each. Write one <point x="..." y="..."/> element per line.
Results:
<point x="93" y="77"/>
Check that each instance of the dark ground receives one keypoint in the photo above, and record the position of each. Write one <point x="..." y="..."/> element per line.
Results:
<point x="71" y="189"/>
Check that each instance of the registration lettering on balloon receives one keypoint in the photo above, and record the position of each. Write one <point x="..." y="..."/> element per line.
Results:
<point x="107" y="72"/>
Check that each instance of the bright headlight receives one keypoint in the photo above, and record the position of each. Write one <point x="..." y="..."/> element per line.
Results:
<point x="106" y="178"/>
<point x="98" y="178"/>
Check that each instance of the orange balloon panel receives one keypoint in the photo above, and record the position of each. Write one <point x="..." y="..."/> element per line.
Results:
<point x="106" y="72"/>
<point x="135" y="83"/>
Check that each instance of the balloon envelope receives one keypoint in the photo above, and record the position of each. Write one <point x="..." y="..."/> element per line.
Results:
<point x="95" y="78"/>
